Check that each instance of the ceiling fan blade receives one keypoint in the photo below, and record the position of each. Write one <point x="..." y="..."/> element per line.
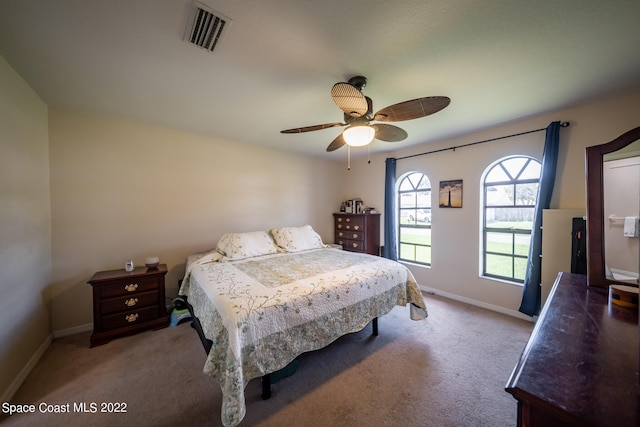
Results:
<point x="349" y="99"/>
<point x="336" y="143"/>
<point x="413" y="109"/>
<point x="311" y="128"/>
<point x="389" y="133"/>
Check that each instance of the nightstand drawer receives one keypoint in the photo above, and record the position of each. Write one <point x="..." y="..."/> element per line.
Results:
<point x="128" y="287"/>
<point x="129" y="318"/>
<point x="130" y="302"/>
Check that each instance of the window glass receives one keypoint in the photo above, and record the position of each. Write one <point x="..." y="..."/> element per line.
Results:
<point x="510" y="191"/>
<point x="414" y="205"/>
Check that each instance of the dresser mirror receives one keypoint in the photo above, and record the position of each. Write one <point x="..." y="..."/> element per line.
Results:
<point x="613" y="193"/>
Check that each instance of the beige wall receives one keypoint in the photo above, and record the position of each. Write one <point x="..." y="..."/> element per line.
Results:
<point x="25" y="230"/>
<point x="455" y="266"/>
<point x="123" y="190"/>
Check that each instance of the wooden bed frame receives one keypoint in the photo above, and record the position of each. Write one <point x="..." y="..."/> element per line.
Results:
<point x="207" y="343"/>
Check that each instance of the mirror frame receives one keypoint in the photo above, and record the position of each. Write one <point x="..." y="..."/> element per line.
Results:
<point x="594" y="157"/>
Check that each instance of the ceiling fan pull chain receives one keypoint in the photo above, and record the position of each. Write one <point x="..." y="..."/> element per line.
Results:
<point x="369" y="154"/>
<point x="348" y="157"/>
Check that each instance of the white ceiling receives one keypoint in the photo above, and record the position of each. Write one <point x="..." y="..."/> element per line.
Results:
<point x="498" y="61"/>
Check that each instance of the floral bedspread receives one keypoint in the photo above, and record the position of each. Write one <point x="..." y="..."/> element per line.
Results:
<point x="262" y="312"/>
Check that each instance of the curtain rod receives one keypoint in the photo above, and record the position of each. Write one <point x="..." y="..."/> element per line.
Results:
<point x="563" y="124"/>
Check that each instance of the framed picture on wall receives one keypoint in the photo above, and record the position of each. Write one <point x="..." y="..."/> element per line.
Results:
<point x="450" y="194"/>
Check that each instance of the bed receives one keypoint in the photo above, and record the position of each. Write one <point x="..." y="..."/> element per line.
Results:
<point x="260" y="299"/>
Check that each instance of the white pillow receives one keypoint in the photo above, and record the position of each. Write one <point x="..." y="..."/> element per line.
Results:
<point x="245" y="245"/>
<point x="296" y="239"/>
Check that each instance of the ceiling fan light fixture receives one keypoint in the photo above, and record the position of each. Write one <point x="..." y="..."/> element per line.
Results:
<point x="358" y="113"/>
<point x="358" y="136"/>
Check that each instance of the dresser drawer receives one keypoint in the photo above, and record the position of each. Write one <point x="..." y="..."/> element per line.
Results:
<point x="352" y="235"/>
<point x="129" y="302"/>
<point x="128" y="287"/>
<point x="129" y="318"/>
<point x="349" y="223"/>
<point x="351" y="245"/>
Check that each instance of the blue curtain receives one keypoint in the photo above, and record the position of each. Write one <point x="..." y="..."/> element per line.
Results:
<point x="531" y="292"/>
<point x="390" y="237"/>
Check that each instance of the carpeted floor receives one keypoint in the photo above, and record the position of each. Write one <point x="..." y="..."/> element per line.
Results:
<point x="448" y="370"/>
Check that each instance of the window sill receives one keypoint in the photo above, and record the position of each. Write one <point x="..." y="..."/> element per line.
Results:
<point x="414" y="264"/>
<point x="496" y="279"/>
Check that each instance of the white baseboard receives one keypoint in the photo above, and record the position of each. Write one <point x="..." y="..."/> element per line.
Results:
<point x="72" y="331"/>
<point x="17" y="382"/>
<point x="496" y="308"/>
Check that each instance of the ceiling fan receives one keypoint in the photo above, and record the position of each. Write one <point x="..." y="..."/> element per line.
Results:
<point x="358" y="115"/>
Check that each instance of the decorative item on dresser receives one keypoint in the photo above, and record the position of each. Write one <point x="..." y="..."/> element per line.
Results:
<point x="358" y="232"/>
<point x="127" y="302"/>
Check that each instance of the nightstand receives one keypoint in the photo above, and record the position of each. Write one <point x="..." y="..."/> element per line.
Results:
<point x="126" y="303"/>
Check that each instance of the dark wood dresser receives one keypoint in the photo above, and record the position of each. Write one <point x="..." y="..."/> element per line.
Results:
<point x="125" y="303"/>
<point x="358" y="232"/>
<point x="580" y="366"/>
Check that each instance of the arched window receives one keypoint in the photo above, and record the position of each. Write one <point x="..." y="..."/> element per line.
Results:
<point x="414" y="212"/>
<point x="510" y="192"/>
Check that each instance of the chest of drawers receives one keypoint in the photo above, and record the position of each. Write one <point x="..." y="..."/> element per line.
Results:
<point x="358" y="232"/>
<point x="125" y="303"/>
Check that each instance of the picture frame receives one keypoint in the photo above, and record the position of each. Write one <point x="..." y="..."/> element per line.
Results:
<point x="450" y="194"/>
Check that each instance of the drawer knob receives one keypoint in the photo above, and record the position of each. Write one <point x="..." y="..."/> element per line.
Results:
<point x="339" y="219"/>
<point x="131" y="287"/>
<point x="340" y="233"/>
<point x="355" y="235"/>
<point x="348" y="227"/>
<point x="356" y="227"/>
<point x="131" y="317"/>
<point x="355" y="245"/>
<point x="131" y="302"/>
<point x="339" y="225"/>
<point x="348" y="219"/>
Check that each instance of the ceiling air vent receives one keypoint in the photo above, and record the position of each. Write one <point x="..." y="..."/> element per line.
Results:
<point x="206" y="28"/>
